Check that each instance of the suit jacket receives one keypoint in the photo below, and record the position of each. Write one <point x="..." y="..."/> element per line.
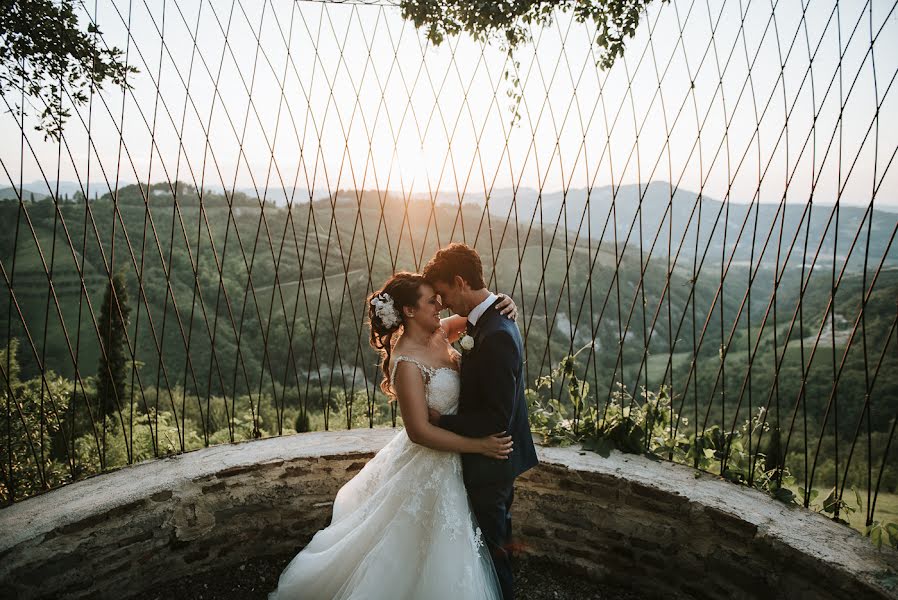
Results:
<point x="492" y="400"/>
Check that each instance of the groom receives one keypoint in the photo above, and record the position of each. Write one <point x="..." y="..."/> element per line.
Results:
<point x="492" y="397"/>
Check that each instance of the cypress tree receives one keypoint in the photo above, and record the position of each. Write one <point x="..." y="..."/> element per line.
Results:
<point x="111" y="370"/>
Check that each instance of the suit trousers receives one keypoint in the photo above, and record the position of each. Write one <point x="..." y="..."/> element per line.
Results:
<point x="491" y="504"/>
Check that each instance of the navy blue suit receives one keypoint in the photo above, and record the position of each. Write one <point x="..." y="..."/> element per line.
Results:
<point x="492" y="400"/>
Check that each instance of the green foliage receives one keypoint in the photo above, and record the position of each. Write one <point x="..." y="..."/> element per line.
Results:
<point x="880" y="533"/>
<point x="32" y="412"/>
<point x="303" y="424"/>
<point x="149" y="436"/>
<point x="113" y="325"/>
<point x="509" y="24"/>
<point x="648" y="425"/>
<point x="835" y="505"/>
<point x="356" y="411"/>
<point x="45" y="55"/>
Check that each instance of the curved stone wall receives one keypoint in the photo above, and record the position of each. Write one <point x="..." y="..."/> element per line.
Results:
<point x="653" y="526"/>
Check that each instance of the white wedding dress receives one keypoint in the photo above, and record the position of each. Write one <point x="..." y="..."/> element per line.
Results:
<point x="401" y="528"/>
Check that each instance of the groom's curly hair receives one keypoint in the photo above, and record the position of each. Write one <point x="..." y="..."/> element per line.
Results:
<point x="456" y="259"/>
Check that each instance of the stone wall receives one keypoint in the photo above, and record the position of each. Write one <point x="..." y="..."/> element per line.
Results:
<point x="653" y="526"/>
<point x="164" y="519"/>
<point x="670" y="531"/>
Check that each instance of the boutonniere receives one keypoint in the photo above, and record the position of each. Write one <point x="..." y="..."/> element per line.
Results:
<point x="466" y="342"/>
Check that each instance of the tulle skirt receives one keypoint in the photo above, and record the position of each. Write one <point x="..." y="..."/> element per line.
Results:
<point x="401" y="528"/>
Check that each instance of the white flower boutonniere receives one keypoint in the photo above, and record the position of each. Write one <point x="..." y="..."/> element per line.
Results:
<point x="467" y="343"/>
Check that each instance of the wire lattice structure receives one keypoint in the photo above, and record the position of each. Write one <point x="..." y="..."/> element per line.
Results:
<point x="714" y="215"/>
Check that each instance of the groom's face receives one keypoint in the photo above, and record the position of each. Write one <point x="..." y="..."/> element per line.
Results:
<point x="451" y="296"/>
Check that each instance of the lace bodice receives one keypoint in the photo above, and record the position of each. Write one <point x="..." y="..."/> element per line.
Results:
<point x="441" y="384"/>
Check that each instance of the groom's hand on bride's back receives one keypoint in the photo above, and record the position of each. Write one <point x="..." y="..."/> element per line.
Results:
<point x="434" y="417"/>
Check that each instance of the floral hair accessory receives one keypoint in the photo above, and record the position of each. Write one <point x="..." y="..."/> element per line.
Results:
<point x="385" y="310"/>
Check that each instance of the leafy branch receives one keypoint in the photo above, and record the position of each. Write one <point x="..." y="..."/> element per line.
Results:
<point x="509" y="24"/>
<point x="45" y="55"/>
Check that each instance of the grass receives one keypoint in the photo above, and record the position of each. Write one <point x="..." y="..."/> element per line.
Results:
<point x="886" y="507"/>
<point x="886" y="511"/>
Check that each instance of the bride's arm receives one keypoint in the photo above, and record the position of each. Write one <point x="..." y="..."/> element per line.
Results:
<point x="455" y="325"/>
<point x="409" y="386"/>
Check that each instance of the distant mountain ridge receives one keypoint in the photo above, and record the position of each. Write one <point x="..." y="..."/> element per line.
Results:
<point x="41" y="189"/>
<point x="710" y="216"/>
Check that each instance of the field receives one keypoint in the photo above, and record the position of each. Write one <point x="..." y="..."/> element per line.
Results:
<point x="886" y="511"/>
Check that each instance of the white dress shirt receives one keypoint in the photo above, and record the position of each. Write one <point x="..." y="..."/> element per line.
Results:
<point x="478" y="310"/>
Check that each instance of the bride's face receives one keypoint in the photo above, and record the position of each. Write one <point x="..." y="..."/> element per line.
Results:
<point x="426" y="312"/>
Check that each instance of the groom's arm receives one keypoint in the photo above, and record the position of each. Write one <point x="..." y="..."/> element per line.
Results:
<point x="496" y="388"/>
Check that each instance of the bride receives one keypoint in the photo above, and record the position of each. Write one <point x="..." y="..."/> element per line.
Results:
<point x="402" y="527"/>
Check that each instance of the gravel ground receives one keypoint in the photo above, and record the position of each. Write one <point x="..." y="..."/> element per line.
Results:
<point x="534" y="580"/>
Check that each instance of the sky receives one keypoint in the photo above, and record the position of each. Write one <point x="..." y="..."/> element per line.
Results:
<point x="744" y="100"/>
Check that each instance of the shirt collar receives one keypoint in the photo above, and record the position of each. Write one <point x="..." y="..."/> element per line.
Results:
<point x="478" y="310"/>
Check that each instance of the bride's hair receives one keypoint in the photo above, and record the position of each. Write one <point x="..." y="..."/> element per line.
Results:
<point x="402" y="289"/>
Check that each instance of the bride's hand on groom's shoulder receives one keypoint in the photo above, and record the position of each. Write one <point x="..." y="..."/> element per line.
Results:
<point x="507" y="307"/>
